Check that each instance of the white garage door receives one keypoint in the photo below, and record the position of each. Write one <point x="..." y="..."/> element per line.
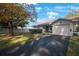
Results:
<point x="63" y="30"/>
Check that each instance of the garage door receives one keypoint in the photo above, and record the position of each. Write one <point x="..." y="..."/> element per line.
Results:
<point x="62" y="30"/>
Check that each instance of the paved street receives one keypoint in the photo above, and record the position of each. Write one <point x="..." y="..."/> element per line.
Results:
<point x="53" y="45"/>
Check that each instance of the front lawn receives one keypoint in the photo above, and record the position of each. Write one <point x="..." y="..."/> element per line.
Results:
<point x="73" y="49"/>
<point x="11" y="41"/>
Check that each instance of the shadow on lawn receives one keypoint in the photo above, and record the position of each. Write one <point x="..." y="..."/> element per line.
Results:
<point x="74" y="47"/>
<point x="51" y="46"/>
<point x="24" y="49"/>
<point x="6" y="42"/>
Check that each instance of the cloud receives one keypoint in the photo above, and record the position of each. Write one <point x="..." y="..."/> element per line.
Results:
<point x="34" y="3"/>
<point x="44" y="20"/>
<point x="74" y="7"/>
<point x="68" y="8"/>
<point x="41" y="20"/>
<point x="56" y="8"/>
<point x="38" y="9"/>
<point x="48" y="9"/>
<point x="52" y="15"/>
<point x="59" y="7"/>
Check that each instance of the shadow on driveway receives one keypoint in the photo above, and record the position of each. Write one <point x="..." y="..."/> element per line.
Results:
<point x="53" y="45"/>
<point x="22" y="50"/>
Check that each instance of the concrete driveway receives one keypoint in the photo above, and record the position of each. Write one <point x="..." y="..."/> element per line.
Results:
<point x="54" y="45"/>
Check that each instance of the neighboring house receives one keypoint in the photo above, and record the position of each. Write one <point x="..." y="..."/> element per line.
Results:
<point x="75" y="19"/>
<point x="46" y="27"/>
<point x="63" y="27"/>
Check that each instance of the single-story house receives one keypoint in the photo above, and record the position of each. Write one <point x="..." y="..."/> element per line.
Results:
<point x="63" y="27"/>
<point x="75" y="19"/>
<point x="45" y="26"/>
<point x="60" y="26"/>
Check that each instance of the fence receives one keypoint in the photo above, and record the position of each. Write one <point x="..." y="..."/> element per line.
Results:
<point x="5" y="31"/>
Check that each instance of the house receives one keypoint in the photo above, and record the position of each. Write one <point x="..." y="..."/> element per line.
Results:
<point x="75" y="19"/>
<point x="45" y="26"/>
<point x="63" y="27"/>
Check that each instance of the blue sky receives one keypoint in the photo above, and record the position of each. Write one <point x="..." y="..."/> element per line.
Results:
<point x="52" y="11"/>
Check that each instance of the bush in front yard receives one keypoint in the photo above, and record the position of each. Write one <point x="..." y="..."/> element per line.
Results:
<point x="35" y="31"/>
<point x="76" y="33"/>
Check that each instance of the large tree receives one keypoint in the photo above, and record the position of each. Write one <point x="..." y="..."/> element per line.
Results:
<point x="13" y="15"/>
<point x="72" y="14"/>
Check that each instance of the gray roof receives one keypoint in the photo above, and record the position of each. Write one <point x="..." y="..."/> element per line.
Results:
<point x="62" y="19"/>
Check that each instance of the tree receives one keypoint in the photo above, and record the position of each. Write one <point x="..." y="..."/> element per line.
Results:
<point x="13" y="15"/>
<point x="72" y="14"/>
<point x="32" y="10"/>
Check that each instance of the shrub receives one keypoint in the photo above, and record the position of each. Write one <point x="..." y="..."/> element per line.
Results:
<point x="76" y="33"/>
<point x="77" y="28"/>
<point x="35" y="31"/>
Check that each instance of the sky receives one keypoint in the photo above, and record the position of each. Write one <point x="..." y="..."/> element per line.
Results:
<point x="52" y="11"/>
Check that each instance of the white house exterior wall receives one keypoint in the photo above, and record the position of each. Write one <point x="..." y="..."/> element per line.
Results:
<point x="62" y="29"/>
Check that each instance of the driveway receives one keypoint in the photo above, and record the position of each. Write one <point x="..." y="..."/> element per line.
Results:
<point x="54" y="45"/>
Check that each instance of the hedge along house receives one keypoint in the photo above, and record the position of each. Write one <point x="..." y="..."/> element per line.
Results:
<point x="46" y="27"/>
<point x="63" y="27"/>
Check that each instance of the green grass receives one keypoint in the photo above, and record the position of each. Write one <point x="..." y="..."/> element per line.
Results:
<point x="11" y="41"/>
<point x="73" y="49"/>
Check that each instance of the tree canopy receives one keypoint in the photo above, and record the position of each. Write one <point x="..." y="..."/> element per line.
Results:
<point x="73" y="14"/>
<point x="13" y="15"/>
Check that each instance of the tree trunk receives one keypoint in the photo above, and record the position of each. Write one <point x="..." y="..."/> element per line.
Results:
<point x="11" y="32"/>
